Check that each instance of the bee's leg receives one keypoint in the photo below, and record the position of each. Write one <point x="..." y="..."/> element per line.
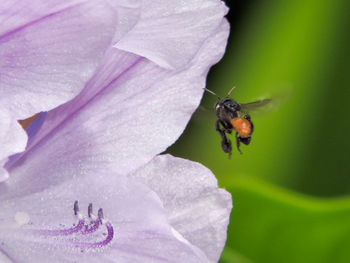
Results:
<point x="219" y="129"/>
<point x="226" y="144"/>
<point x="238" y="142"/>
<point x="247" y="117"/>
<point x="246" y="140"/>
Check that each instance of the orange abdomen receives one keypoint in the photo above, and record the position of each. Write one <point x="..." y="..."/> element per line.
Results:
<point x="242" y="126"/>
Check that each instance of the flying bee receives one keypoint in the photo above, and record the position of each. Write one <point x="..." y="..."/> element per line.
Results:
<point x="232" y="115"/>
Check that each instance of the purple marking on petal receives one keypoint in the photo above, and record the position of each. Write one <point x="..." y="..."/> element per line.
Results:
<point x="81" y="229"/>
<point x="100" y="215"/>
<point x="105" y="242"/>
<point x="110" y="234"/>
<point x="90" y="210"/>
<point x="62" y="232"/>
<point x="88" y="229"/>
<point x="76" y="207"/>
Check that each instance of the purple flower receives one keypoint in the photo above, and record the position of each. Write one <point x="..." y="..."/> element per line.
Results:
<point x="48" y="50"/>
<point x="89" y="186"/>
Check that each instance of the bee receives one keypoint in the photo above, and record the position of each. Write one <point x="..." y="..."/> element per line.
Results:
<point x="233" y="116"/>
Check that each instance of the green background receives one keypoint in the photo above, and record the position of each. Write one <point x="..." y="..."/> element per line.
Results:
<point x="291" y="186"/>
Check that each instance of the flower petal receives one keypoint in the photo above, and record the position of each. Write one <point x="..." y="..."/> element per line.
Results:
<point x="130" y="111"/>
<point x="39" y="227"/>
<point x="48" y="51"/>
<point x="196" y="207"/>
<point x="16" y="14"/>
<point x="12" y="139"/>
<point x="170" y="32"/>
<point x="128" y="15"/>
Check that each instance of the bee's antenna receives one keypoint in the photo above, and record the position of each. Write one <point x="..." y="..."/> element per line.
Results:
<point x="229" y="93"/>
<point x="212" y="92"/>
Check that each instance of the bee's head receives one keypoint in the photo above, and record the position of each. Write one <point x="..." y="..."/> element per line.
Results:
<point x="227" y="103"/>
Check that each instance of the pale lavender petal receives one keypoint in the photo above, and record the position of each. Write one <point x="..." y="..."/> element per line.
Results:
<point x="196" y="207"/>
<point x="128" y="15"/>
<point x="32" y="129"/>
<point x="17" y="13"/>
<point x="170" y="32"/>
<point x="12" y="139"/>
<point x="48" y="50"/>
<point x="43" y="227"/>
<point x="130" y="111"/>
<point x="4" y="175"/>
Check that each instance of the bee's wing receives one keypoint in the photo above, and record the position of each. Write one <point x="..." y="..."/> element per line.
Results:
<point x="204" y="116"/>
<point x="258" y="105"/>
<point x="273" y="102"/>
<point x="204" y="113"/>
<point x="204" y="109"/>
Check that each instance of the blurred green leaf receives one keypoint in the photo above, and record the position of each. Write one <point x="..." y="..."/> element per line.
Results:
<point x="230" y="256"/>
<point x="269" y="224"/>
